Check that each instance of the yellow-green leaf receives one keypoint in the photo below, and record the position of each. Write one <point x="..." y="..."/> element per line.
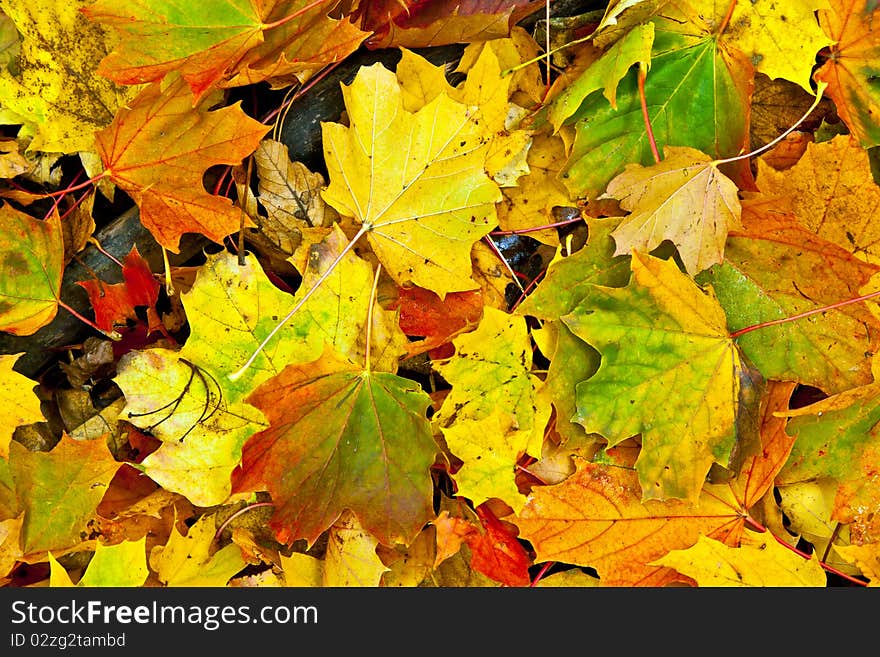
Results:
<point x="760" y="562"/>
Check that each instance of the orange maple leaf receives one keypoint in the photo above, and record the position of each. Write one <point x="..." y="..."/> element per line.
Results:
<point x="158" y="149"/>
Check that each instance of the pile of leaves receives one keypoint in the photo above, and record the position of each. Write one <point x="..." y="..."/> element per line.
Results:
<point x="592" y="304"/>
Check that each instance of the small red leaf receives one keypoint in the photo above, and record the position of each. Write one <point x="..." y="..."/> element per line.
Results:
<point x="497" y="553"/>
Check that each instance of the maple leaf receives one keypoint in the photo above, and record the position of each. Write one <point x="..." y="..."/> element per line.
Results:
<point x="59" y="490"/>
<point x="782" y="38"/>
<point x="837" y="438"/>
<point x="236" y="43"/>
<point x="157" y="150"/>
<point x="18" y="402"/>
<point x="662" y="313"/>
<point x="422" y="314"/>
<point x="496" y="553"/>
<point x="189" y="560"/>
<point x="757" y="562"/>
<point x="851" y="69"/>
<point x="757" y="475"/>
<point x="32" y="253"/>
<point x="341" y="437"/>
<point x="416" y="24"/>
<point x="567" y="283"/>
<point x="232" y="308"/>
<point x="605" y="73"/>
<point x="765" y="278"/>
<point x="684" y="199"/>
<point x="492" y="407"/>
<point x="122" y="565"/>
<point x="201" y="429"/>
<point x="596" y="518"/>
<point x="351" y="558"/>
<point x="832" y="191"/>
<point x="866" y="557"/>
<point x="414" y="181"/>
<point x="290" y="194"/>
<point x="532" y="201"/>
<point x="697" y="95"/>
<point x="55" y="92"/>
<point x="808" y="507"/>
<point x="115" y="303"/>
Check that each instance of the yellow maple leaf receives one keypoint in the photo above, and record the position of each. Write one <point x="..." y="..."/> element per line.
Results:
<point x="684" y="199"/>
<point x="832" y="191"/>
<point x="57" y="94"/>
<point x="190" y="560"/>
<point x="18" y="403"/>
<point x="761" y="561"/>
<point x="782" y="38"/>
<point x="866" y="557"/>
<point x="415" y="181"/>
<point x="351" y="558"/>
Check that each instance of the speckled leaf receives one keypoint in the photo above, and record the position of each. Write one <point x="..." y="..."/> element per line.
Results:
<point x="669" y="371"/>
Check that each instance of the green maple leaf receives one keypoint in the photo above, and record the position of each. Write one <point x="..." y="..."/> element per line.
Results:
<point x="697" y="95"/>
<point x="32" y="256"/>
<point x="567" y="283"/>
<point x="341" y="437"/>
<point x="776" y="268"/>
<point x="838" y="438"/>
<point x="59" y="490"/>
<point x="669" y="372"/>
<point x="233" y="43"/>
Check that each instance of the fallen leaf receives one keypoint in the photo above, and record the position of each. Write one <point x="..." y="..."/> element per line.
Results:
<point x="59" y="490"/>
<point x="57" y="95"/>
<point x="341" y="437"/>
<point x="684" y="199"/>
<point x="782" y="38"/>
<point x="776" y="268"/>
<point x="201" y="429"/>
<point x="414" y="181"/>
<point x="687" y="63"/>
<point x="760" y="562"/>
<point x="415" y="24"/>
<point x="351" y="558"/>
<point x="18" y="402"/>
<point x="832" y="192"/>
<point x="851" y="68"/>
<point x="234" y="44"/>
<point x="190" y="560"/>
<point x="159" y="146"/>
<point x="596" y="518"/>
<point x="32" y="255"/>
<point x="684" y="401"/>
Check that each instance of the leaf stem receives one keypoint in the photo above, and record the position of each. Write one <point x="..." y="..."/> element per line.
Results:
<point x="67" y="190"/>
<point x="370" y="316"/>
<point x="726" y="20"/>
<point x="235" y="515"/>
<point x="299" y="304"/>
<point x="533" y="229"/>
<point x="819" y="91"/>
<point x="644" y="102"/>
<point x="814" y="311"/>
<point x="801" y="553"/>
